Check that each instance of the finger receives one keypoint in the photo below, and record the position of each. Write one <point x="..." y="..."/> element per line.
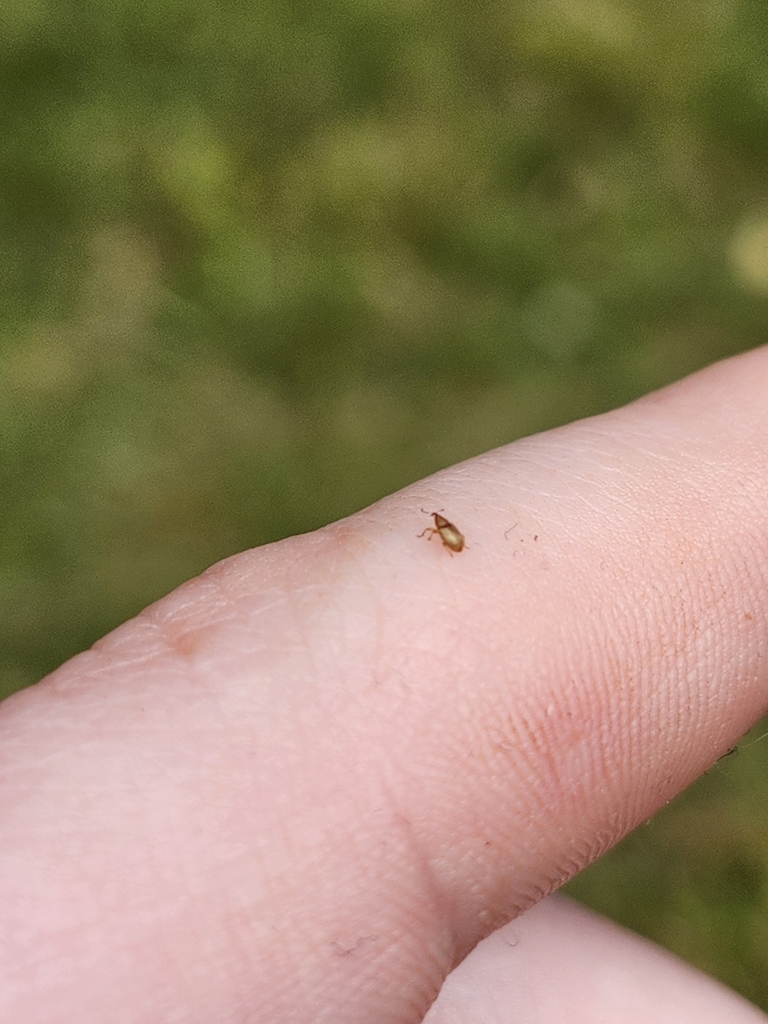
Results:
<point x="303" y="786"/>
<point x="563" y="964"/>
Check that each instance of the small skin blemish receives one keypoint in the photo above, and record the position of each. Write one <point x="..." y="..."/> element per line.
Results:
<point x="449" y="534"/>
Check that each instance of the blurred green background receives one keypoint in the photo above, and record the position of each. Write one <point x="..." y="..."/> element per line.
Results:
<point x="262" y="263"/>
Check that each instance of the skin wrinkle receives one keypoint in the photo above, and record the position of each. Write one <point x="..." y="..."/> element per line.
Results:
<point x="433" y="983"/>
<point x="434" y="956"/>
<point x="562" y="724"/>
<point x="570" y="793"/>
<point x="530" y="807"/>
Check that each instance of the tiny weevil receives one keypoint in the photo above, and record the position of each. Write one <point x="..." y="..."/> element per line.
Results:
<point x="450" y="535"/>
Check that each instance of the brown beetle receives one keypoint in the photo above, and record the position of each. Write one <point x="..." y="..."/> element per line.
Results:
<point x="449" y="534"/>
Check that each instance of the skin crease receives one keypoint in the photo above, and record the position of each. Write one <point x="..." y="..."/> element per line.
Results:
<point x="304" y="786"/>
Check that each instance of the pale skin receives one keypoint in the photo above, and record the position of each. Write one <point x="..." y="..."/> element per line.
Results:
<point x="303" y="787"/>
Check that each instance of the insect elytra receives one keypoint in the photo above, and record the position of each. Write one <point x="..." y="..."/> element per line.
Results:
<point x="449" y="534"/>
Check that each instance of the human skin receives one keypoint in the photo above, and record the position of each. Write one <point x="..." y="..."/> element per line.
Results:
<point x="304" y="786"/>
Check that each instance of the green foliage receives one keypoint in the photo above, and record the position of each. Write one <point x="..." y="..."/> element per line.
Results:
<point x="263" y="263"/>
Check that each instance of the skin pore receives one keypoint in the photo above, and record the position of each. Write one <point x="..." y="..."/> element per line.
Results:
<point x="305" y="786"/>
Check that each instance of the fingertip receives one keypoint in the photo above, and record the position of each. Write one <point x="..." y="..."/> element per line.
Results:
<point x="563" y="964"/>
